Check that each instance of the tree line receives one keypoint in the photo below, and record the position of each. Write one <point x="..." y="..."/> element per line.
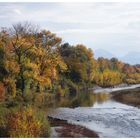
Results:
<point x="38" y="61"/>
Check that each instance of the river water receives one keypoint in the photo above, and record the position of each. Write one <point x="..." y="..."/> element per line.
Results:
<point x="100" y="113"/>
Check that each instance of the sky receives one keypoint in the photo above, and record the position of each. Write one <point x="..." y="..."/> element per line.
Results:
<point x="114" y="27"/>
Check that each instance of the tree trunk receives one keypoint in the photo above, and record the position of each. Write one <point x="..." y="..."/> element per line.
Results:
<point x="22" y="84"/>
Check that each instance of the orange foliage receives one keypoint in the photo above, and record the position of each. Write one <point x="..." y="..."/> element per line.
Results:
<point x="2" y="90"/>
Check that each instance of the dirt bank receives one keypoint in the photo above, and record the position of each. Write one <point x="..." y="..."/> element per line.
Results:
<point x="129" y="97"/>
<point x="61" y="129"/>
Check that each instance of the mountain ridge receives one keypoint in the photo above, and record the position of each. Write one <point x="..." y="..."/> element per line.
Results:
<point x="131" y="57"/>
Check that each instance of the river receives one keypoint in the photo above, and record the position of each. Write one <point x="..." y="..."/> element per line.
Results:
<point x="105" y="116"/>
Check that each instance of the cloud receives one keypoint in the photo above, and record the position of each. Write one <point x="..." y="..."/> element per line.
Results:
<point x="74" y="31"/>
<point x="111" y="26"/>
<point x="17" y="11"/>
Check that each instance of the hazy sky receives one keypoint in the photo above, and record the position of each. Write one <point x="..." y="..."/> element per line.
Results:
<point x="114" y="27"/>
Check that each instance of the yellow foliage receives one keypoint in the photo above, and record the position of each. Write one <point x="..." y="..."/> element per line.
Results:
<point x="10" y="85"/>
<point x="108" y="78"/>
<point x="12" y="67"/>
<point x="25" y="124"/>
<point x="133" y="78"/>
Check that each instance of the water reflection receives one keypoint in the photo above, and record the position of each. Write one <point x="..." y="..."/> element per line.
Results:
<point x="101" y="97"/>
<point x="82" y="100"/>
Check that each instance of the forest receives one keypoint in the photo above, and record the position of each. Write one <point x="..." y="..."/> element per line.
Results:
<point x="37" y="67"/>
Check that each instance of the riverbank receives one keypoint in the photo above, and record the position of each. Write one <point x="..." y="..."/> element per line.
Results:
<point x="117" y="88"/>
<point x="129" y="97"/>
<point x="63" y="129"/>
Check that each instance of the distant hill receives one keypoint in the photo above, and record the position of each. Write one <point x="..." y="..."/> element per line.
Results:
<point x="102" y="53"/>
<point x="131" y="58"/>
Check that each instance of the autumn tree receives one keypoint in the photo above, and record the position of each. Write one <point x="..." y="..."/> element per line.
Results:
<point x="8" y="64"/>
<point x="47" y="62"/>
<point x="21" y="41"/>
<point x="80" y="63"/>
<point x="108" y="78"/>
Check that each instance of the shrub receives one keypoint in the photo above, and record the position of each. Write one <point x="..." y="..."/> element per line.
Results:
<point x="26" y="122"/>
<point x="3" y="123"/>
<point x="2" y="90"/>
<point x="4" y="112"/>
<point x="40" y="99"/>
<point x="73" y="88"/>
<point x="130" y="81"/>
<point x="10" y="102"/>
<point x="60" y="92"/>
<point x="28" y="97"/>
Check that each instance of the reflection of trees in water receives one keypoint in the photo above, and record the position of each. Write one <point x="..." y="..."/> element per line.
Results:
<point x="82" y="99"/>
<point x="101" y="97"/>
